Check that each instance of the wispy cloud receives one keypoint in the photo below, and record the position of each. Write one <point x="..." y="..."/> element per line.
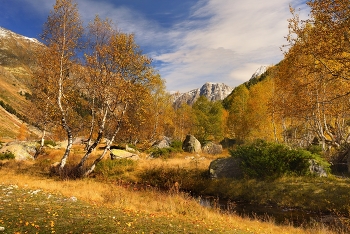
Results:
<point x="219" y="41"/>
<point x="226" y="41"/>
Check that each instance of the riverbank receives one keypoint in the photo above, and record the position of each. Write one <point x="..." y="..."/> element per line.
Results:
<point x="40" y="204"/>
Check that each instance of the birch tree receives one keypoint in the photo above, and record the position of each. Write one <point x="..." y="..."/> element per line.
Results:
<point x="62" y="32"/>
<point x="119" y="75"/>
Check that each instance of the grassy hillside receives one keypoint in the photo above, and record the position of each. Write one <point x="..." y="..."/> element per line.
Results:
<point x="16" y="62"/>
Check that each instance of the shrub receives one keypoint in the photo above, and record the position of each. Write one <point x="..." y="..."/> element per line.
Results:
<point x="263" y="160"/>
<point x="167" y="152"/>
<point x="315" y="149"/>
<point x="156" y="152"/>
<point x="176" y="144"/>
<point x="7" y="155"/>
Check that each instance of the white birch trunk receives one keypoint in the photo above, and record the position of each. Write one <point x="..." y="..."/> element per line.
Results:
<point x="60" y="106"/>
<point x="110" y="142"/>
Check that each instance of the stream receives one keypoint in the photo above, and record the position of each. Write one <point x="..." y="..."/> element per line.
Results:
<point x="279" y="215"/>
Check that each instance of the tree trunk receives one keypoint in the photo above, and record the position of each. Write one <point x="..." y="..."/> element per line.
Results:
<point x="42" y="142"/>
<point x="60" y="106"/>
<point x="110" y="142"/>
<point x="69" y="145"/>
<point x="96" y="142"/>
<point x="88" y="143"/>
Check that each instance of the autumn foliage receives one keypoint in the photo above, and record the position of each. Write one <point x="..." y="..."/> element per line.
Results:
<point x="95" y="82"/>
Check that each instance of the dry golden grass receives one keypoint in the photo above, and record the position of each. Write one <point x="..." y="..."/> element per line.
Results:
<point x="172" y="206"/>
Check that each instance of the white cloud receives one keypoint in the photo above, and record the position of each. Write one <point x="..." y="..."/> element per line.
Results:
<point x="221" y="41"/>
<point x="226" y="41"/>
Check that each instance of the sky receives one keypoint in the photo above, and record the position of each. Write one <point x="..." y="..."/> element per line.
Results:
<point x="191" y="42"/>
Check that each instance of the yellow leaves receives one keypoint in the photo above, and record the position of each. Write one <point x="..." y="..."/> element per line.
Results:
<point x="129" y="224"/>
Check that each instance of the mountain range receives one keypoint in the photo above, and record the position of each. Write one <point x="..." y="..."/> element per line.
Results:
<point x="16" y="63"/>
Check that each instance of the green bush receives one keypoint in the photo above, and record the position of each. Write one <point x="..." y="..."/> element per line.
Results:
<point x="176" y="144"/>
<point x="156" y="152"/>
<point x="264" y="160"/>
<point x="115" y="168"/>
<point x="315" y="149"/>
<point x="167" y="152"/>
<point x="7" y="155"/>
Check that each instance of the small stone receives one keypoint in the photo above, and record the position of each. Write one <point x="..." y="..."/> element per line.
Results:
<point x="2" y="229"/>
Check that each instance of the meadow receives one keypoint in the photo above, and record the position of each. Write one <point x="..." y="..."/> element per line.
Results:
<point x="140" y="197"/>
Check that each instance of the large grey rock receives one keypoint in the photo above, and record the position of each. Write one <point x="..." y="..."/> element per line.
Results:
<point x="191" y="145"/>
<point x="212" y="148"/>
<point x="22" y="150"/>
<point x="226" y="168"/>
<point x="164" y="143"/>
<point x="317" y="169"/>
<point x="120" y="154"/>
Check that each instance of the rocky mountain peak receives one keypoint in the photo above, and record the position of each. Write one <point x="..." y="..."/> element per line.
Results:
<point x="213" y="91"/>
<point x="261" y="70"/>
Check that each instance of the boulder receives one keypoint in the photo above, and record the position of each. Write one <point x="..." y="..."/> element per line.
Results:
<point x="164" y="143"/>
<point x="317" y="169"/>
<point x="226" y="168"/>
<point x="21" y="149"/>
<point x="120" y="154"/>
<point x="212" y="148"/>
<point x="191" y="145"/>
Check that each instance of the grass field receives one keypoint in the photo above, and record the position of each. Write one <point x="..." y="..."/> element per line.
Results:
<point x="33" y="202"/>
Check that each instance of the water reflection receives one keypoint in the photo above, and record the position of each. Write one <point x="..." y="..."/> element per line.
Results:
<point x="279" y="215"/>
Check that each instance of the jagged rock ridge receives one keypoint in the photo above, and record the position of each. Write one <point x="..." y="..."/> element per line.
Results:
<point x="213" y="91"/>
<point x="261" y="70"/>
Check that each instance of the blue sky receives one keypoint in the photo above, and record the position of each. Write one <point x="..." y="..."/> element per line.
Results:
<point x="190" y="41"/>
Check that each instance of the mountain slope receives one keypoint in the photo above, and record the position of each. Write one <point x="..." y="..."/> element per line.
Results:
<point x="16" y="63"/>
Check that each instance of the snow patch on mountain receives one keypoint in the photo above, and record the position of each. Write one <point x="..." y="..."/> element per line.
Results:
<point x="4" y="33"/>
<point x="261" y="70"/>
